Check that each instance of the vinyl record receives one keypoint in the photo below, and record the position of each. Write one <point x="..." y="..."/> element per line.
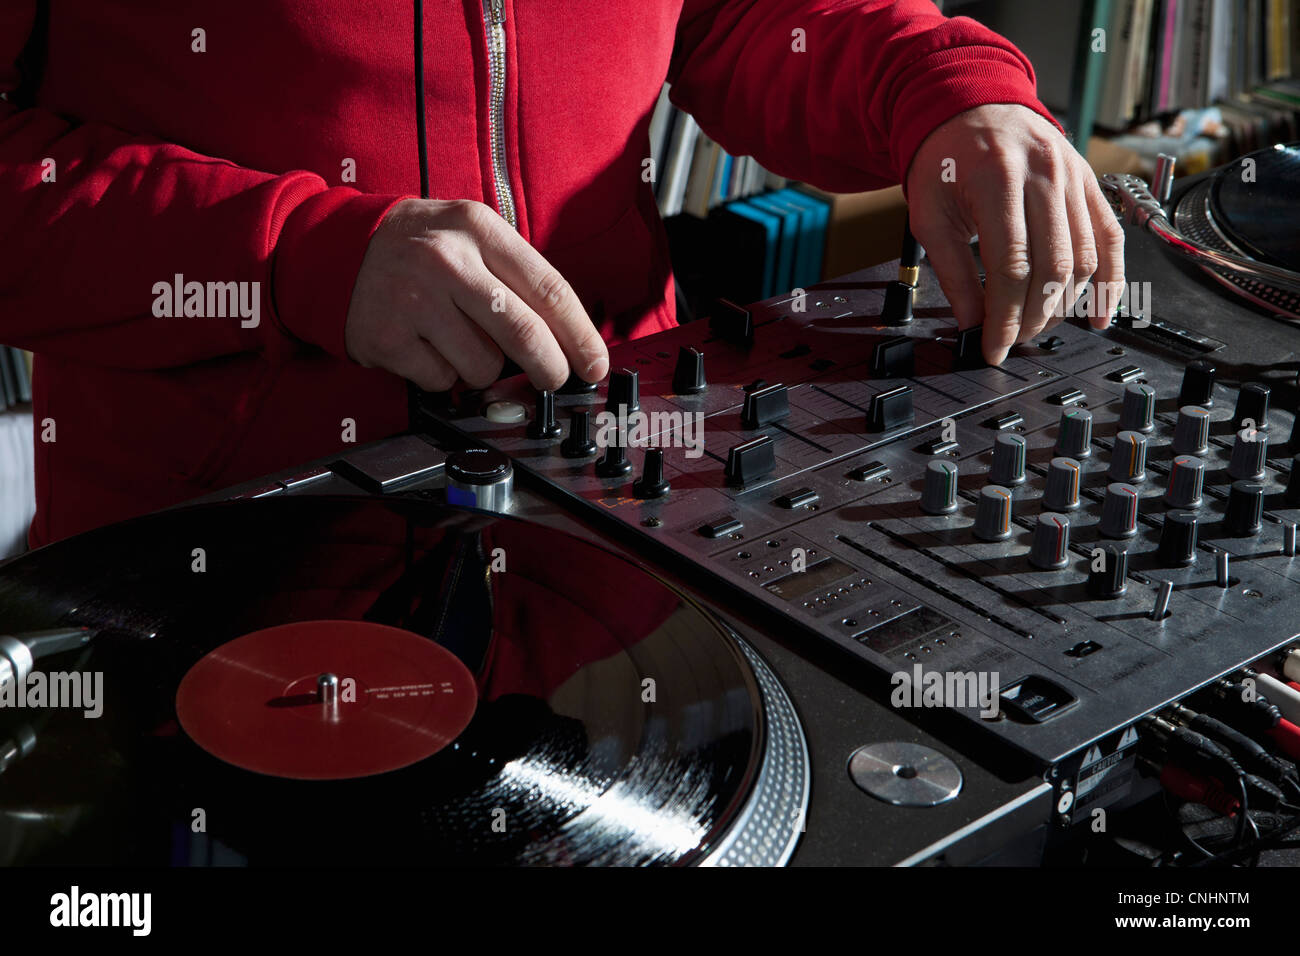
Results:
<point x="519" y="696"/>
<point x="1255" y="202"/>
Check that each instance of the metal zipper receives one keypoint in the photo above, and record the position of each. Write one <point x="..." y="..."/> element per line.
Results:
<point x="494" y="19"/>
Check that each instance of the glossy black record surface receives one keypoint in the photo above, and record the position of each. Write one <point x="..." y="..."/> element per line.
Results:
<point x="1257" y="204"/>
<point x="616" y="722"/>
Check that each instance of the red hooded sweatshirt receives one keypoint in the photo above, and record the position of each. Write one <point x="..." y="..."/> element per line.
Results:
<point x="147" y="145"/>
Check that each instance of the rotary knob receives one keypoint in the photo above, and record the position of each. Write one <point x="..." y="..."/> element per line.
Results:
<point x="1178" y="539"/>
<point x="1008" y="460"/>
<point x="1051" y="546"/>
<point x="614" y="463"/>
<point x="1108" y="578"/>
<point x="1062" y="493"/>
<point x="1074" y="434"/>
<point x="1119" y="511"/>
<point x="479" y="478"/>
<point x="688" y="374"/>
<point x="1138" y="412"/>
<point x="993" y="514"/>
<point x="578" y="443"/>
<point x="1245" y="513"/>
<point x="1128" y="457"/>
<point x="1186" y="478"/>
<point x="544" y="425"/>
<point x="1192" y="432"/>
<point x="939" y="493"/>
<point x="652" y="483"/>
<point x="624" y="391"/>
<point x="1252" y="406"/>
<point x="1198" y="384"/>
<point x="1249" y="452"/>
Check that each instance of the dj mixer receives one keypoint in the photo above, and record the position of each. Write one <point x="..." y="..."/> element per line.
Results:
<point x="1100" y="521"/>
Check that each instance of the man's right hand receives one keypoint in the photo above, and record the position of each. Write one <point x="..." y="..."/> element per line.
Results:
<point x="447" y="287"/>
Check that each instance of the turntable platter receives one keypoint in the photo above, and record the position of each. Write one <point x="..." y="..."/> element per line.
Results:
<point x="1256" y="201"/>
<point x="602" y="716"/>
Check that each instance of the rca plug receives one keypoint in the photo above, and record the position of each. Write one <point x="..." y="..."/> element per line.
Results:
<point x="1245" y="706"/>
<point x="1287" y="737"/>
<point x="1286" y="699"/>
<point x="1195" y="788"/>
<point x="1249" y="752"/>
<point x="1192" y="749"/>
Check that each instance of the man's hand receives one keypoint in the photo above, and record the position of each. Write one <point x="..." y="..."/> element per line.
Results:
<point x="447" y="287"/>
<point x="1044" y="226"/>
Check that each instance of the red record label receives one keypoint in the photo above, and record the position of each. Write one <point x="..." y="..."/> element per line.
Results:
<point x="256" y="702"/>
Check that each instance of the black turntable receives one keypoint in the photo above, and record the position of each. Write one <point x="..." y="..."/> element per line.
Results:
<point x="518" y="696"/>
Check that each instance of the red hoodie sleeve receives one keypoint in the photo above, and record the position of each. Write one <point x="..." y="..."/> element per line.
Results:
<point x="85" y="246"/>
<point x="837" y="93"/>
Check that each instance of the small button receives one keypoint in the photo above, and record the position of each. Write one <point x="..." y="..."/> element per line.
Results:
<point x="1003" y="422"/>
<point x="871" y="471"/>
<point x="505" y="413"/>
<point x="1071" y="396"/>
<point x="937" y="447"/>
<point x="798" y="498"/>
<point x="1129" y="373"/>
<point x="721" y="526"/>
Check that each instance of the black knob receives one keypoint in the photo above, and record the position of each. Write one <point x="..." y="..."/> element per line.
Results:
<point x="544" y="424"/>
<point x="651" y="484"/>
<point x="614" y="463"/>
<point x="1178" y="539"/>
<point x="1198" y="384"/>
<point x="624" y="391"/>
<point x="898" y="303"/>
<point x="891" y="409"/>
<point x="1108" y="572"/>
<point x="688" y="375"/>
<point x="578" y="444"/>
<point x="576" y="386"/>
<point x="1245" y="512"/>
<point x="1252" y="406"/>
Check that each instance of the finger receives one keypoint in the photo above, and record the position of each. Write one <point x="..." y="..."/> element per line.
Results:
<point x="1051" y="253"/>
<point x="1083" y="243"/>
<point x="489" y="302"/>
<point x="463" y="343"/>
<point x="1108" y="280"/>
<point x="1000" y="219"/>
<point x="950" y="254"/>
<point x="422" y="364"/>
<point x="547" y="294"/>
